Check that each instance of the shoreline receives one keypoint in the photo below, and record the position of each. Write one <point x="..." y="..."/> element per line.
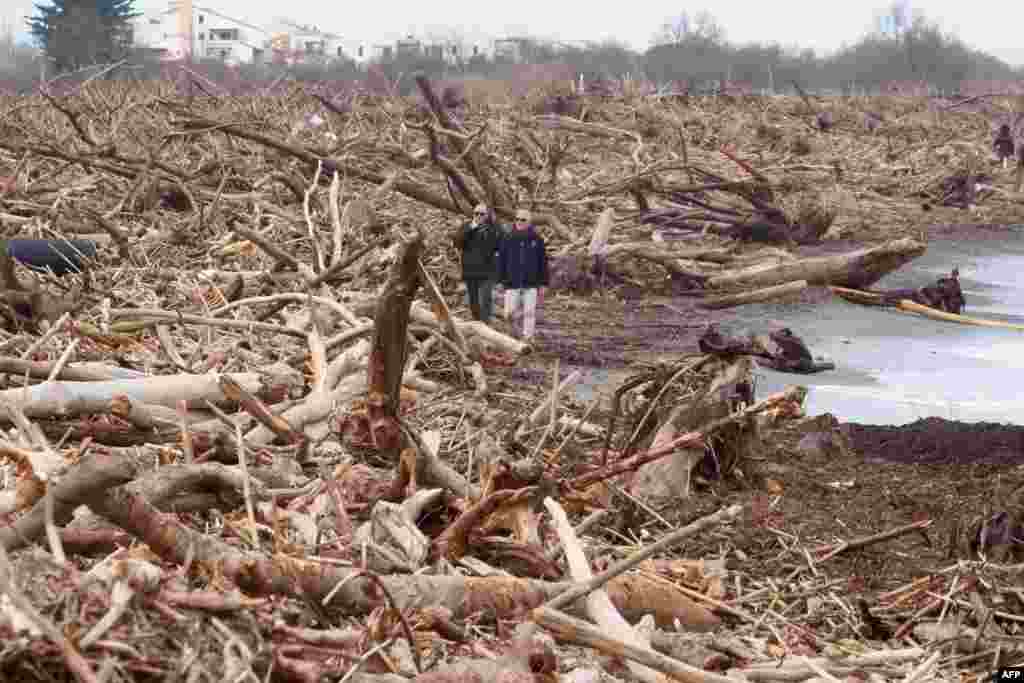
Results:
<point x="608" y="338"/>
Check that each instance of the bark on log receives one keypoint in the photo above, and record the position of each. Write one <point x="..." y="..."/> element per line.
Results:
<point x="75" y="398"/>
<point x="578" y="632"/>
<point x="365" y="305"/>
<point x="663" y="257"/>
<point x="94" y="475"/>
<point x="78" y="372"/>
<point x="857" y="269"/>
<point x="389" y="350"/>
<point x="766" y="294"/>
<point x="500" y="597"/>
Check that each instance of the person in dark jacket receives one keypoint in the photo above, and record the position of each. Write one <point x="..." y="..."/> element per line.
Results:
<point x="523" y="270"/>
<point x="478" y="242"/>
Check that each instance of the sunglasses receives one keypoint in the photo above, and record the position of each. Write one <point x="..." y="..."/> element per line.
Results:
<point x="522" y="219"/>
<point x="480" y="213"/>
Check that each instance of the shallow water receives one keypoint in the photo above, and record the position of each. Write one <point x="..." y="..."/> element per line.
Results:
<point x="894" y="367"/>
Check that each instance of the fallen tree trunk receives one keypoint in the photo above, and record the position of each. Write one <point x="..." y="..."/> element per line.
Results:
<point x="351" y="591"/>
<point x="53" y="399"/>
<point x="766" y="294"/>
<point x="365" y="305"/>
<point x="856" y="269"/>
<point x="663" y="257"/>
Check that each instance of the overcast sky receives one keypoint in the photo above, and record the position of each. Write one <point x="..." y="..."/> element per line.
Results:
<point x="991" y="25"/>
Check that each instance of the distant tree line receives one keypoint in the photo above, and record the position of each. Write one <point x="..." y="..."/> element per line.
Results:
<point x="687" y="52"/>
<point x="693" y="52"/>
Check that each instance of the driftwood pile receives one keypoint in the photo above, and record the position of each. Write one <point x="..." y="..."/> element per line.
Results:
<point x="254" y="441"/>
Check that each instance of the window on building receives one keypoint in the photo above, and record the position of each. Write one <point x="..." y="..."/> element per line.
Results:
<point x="202" y="36"/>
<point x="360" y="50"/>
<point x="455" y="50"/>
<point x="339" y="52"/>
<point x="201" y="18"/>
<point x="476" y="50"/>
<point x="155" y="21"/>
<point x="224" y="34"/>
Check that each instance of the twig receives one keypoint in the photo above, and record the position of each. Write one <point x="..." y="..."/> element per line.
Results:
<point x="575" y="428"/>
<point x="588" y="522"/>
<point x="335" y="217"/>
<point x="63" y="360"/>
<point x="926" y="666"/>
<point x="317" y="252"/>
<point x="246" y="486"/>
<point x="572" y="630"/>
<point x="573" y="594"/>
<point x="75" y="661"/>
<point x="52" y="535"/>
<point x="818" y="669"/>
<point x="148" y="317"/>
<point x="553" y="403"/>
<point x="875" y="538"/>
<point x="38" y="344"/>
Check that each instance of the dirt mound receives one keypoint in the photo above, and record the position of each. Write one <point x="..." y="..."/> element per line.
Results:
<point x="937" y="441"/>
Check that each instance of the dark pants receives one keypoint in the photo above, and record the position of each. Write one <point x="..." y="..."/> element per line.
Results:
<point x="481" y="298"/>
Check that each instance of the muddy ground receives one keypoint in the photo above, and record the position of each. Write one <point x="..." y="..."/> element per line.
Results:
<point x="884" y="477"/>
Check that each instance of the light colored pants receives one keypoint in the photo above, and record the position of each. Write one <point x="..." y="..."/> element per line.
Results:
<point x="521" y="304"/>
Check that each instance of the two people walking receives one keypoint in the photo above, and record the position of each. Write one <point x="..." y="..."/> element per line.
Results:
<point x="516" y="258"/>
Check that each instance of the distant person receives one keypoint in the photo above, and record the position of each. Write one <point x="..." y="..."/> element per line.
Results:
<point x="523" y="271"/>
<point x="478" y="242"/>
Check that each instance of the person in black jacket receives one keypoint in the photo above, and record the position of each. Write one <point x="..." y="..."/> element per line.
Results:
<point x="523" y="270"/>
<point x="478" y="242"/>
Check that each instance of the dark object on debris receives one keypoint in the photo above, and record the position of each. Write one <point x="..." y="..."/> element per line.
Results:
<point x="961" y="190"/>
<point x="562" y="105"/>
<point x="1000" y="538"/>
<point x="872" y="121"/>
<point x="1003" y="144"/>
<point x="782" y="350"/>
<point x="452" y="97"/>
<point x="713" y="341"/>
<point x="173" y="199"/>
<point x="874" y="628"/>
<point x="825" y="121"/>
<point x="59" y="256"/>
<point x="944" y="295"/>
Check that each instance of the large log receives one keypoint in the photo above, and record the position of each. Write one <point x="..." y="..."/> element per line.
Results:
<point x="857" y="269"/>
<point x="765" y="294"/>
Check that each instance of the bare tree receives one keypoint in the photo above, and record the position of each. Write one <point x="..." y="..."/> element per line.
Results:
<point x="701" y="27"/>
<point x="673" y="32"/>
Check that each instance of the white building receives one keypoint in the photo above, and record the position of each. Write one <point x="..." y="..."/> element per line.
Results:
<point x="293" y="43"/>
<point x="186" y="30"/>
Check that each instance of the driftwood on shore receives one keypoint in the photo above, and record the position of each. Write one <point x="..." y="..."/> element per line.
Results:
<point x="856" y="269"/>
<point x="300" y="454"/>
